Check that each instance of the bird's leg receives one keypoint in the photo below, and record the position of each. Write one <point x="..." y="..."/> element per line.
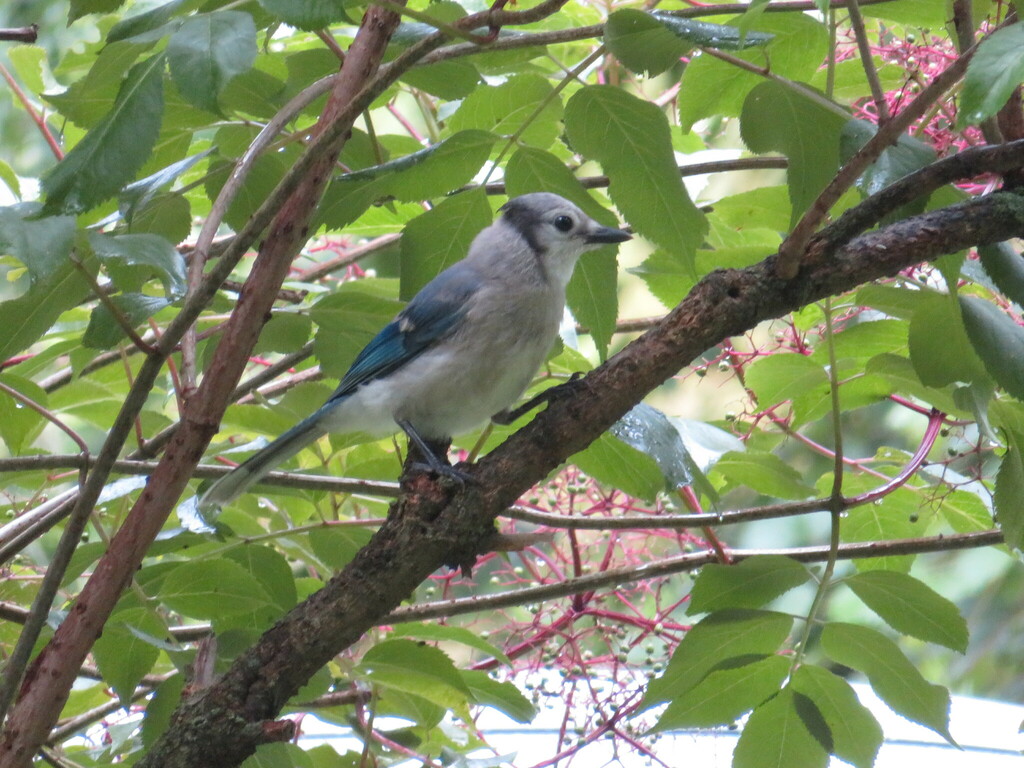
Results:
<point x="509" y="415"/>
<point x="429" y="453"/>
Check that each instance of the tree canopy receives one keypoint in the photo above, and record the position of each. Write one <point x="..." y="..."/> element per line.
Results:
<point x="210" y="207"/>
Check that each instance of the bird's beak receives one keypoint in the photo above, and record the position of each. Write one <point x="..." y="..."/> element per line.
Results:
<point x="603" y="235"/>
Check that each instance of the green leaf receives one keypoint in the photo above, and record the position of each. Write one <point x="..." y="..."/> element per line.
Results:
<point x="348" y="319"/>
<point x="415" y="668"/>
<point x="915" y="13"/>
<point x="104" y="331"/>
<point x="890" y="673"/>
<point x="161" y="706"/>
<point x="80" y="8"/>
<point x="750" y="583"/>
<point x="911" y="607"/>
<point x="647" y="429"/>
<point x="708" y="35"/>
<point x="966" y="512"/>
<point x="145" y="255"/>
<point x="998" y="340"/>
<point x="29" y="316"/>
<point x="777" y="378"/>
<point x="1006" y="268"/>
<point x="895" y="516"/>
<point x="710" y="86"/>
<point x="717" y="638"/>
<point x="725" y="694"/>
<point x="504" y="109"/>
<point x="502" y="696"/>
<point x="435" y="170"/>
<point x="208" y="589"/>
<point x="20" y="425"/>
<point x="150" y="24"/>
<point x="854" y="734"/>
<point x="905" y="156"/>
<point x="1009" y="492"/>
<point x="592" y="294"/>
<point x="307" y="14"/>
<point x="610" y="461"/>
<point x="643" y="43"/>
<point x="270" y="569"/>
<point x="777" y="735"/>
<point x="209" y="49"/>
<point x="778" y="119"/>
<point x="631" y="139"/>
<point x="335" y="546"/>
<point x="435" y="240"/>
<point x="111" y="153"/>
<point x="41" y="244"/>
<point x="122" y="657"/>
<point x="992" y="75"/>
<point x="940" y="348"/>
<point x="765" y="473"/>
<point x="444" y="632"/>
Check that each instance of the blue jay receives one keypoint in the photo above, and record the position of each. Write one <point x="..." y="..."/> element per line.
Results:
<point x="462" y="351"/>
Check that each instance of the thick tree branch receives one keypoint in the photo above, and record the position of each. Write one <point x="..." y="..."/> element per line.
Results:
<point x="433" y="524"/>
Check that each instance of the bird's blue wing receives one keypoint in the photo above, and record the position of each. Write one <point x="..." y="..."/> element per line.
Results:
<point x="429" y="317"/>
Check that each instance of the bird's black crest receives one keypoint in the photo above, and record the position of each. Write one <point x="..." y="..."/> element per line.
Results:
<point x="526" y="220"/>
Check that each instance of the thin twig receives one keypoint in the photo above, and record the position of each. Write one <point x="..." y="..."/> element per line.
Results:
<point x="867" y="61"/>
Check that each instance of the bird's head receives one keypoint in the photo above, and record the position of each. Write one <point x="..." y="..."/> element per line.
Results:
<point x="557" y="231"/>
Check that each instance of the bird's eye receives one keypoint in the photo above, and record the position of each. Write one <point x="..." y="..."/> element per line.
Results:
<point x="563" y="223"/>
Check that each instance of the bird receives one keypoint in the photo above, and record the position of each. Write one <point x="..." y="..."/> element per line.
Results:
<point x="462" y="351"/>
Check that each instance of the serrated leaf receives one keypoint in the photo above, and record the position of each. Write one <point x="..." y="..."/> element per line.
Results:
<point x="614" y="463"/>
<point x="349" y="318"/>
<point x="29" y="316"/>
<point x="708" y="35"/>
<point x="207" y="50"/>
<point x="710" y="86"/>
<point x="452" y="634"/>
<point x="502" y="696"/>
<point x="890" y="673"/>
<point x="139" y="193"/>
<point x="631" y="139"/>
<point x="80" y="8"/>
<point x="269" y="567"/>
<point x="435" y="240"/>
<point x="41" y="244"/>
<point x="504" y="110"/>
<point x="592" y="295"/>
<point x="432" y="171"/>
<point x="122" y="657"/>
<point x="764" y="472"/>
<point x="307" y="14"/>
<point x="20" y="425"/>
<point x="151" y="254"/>
<point x="895" y="516"/>
<point x="160" y="707"/>
<point x="1006" y="268"/>
<point x="336" y="546"/>
<point x="725" y="694"/>
<point x="992" y="75"/>
<point x="111" y="153"/>
<point x="415" y="668"/>
<point x="940" y="349"/>
<point x="750" y="583"/>
<point x="104" y="331"/>
<point x="905" y="156"/>
<point x="778" y="119"/>
<point x="721" y="636"/>
<point x="777" y="735"/>
<point x="911" y="607"/>
<point x="854" y="734"/>
<point x="998" y="340"/>
<point x="152" y="24"/>
<point x="208" y="589"/>
<point x="642" y="42"/>
<point x="650" y="431"/>
<point x="1009" y="492"/>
